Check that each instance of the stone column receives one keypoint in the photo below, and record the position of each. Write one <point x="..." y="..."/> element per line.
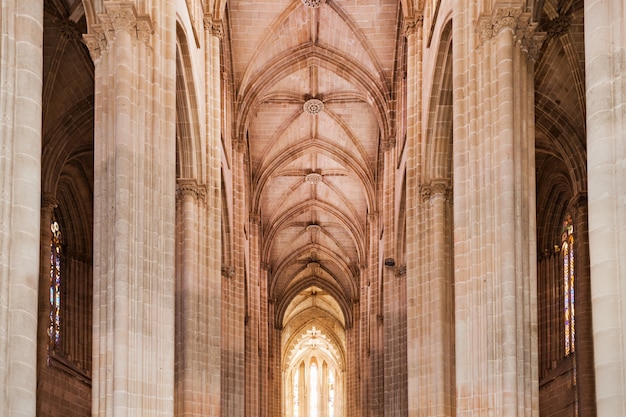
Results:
<point x="192" y="314"/>
<point x="414" y="38"/>
<point x="373" y="380"/>
<point x="605" y="72"/>
<point x="348" y="400"/>
<point x="494" y="213"/>
<point x="21" y="61"/>
<point x="134" y="210"/>
<point x="213" y="212"/>
<point x="434" y="309"/>
<point x="252" y="322"/>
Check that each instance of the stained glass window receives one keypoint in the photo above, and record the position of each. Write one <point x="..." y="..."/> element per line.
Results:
<point x="567" y="250"/>
<point x="314" y="394"/>
<point x="331" y="394"/>
<point x="296" y="393"/>
<point x="54" y="331"/>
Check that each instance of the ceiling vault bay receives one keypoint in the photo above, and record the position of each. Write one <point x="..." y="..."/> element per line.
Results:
<point x="314" y="177"/>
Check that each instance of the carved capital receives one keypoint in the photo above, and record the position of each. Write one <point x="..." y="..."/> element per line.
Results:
<point x="122" y="16"/>
<point x="502" y="18"/>
<point x="96" y="42"/>
<point x="48" y="201"/>
<point x="426" y="192"/>
<point x="144" y="29"/>
<point x="187" y="188"/>
<point x="213" y="26"/>
<point x="519" y="22"/>
<point x="412" y="24"/>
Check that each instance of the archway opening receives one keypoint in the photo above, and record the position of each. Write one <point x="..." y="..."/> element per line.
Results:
<point x="313" y="352"/>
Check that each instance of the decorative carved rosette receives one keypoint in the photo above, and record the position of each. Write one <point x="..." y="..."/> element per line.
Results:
<point x="67" y="29"/>
<point x="313" y="229"/>
<point x="313" y="106"/>
<point x="313" y="3"/>
<point x="313" y="178"/>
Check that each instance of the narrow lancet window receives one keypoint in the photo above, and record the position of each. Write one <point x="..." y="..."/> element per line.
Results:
<point x="567" y="250"/>
<point x="54" y="330"/>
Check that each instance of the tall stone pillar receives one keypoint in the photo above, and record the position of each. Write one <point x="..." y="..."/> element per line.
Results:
<point x="21" y="61"/>
<point x="605" y="72"/>
<point x="435" y="308"/>
<point x="194" y="304"/>
<point x="213" y="212"/>
<point x="373" y="393"/>
<point x="134" y="210"/>
<point x="494" y="212"/>
<point x="414" y="234"/>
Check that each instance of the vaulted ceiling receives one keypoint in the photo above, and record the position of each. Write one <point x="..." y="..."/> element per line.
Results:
<point x="314" y="87"/>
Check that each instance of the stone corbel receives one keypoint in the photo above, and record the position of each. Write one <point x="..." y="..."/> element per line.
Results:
<point x="400" y="271"/>
<point x="228" y="271"/>
<point x="389" y="144"/>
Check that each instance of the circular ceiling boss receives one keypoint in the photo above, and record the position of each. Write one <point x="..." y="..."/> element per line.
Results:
<point x="313" y="3"/>
<point x="313" y="106"/>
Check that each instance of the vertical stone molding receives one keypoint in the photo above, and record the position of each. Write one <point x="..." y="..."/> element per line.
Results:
<point x="414" y="33"/>
<point x="21" y="67"/>
<point x="605" y="72"/>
